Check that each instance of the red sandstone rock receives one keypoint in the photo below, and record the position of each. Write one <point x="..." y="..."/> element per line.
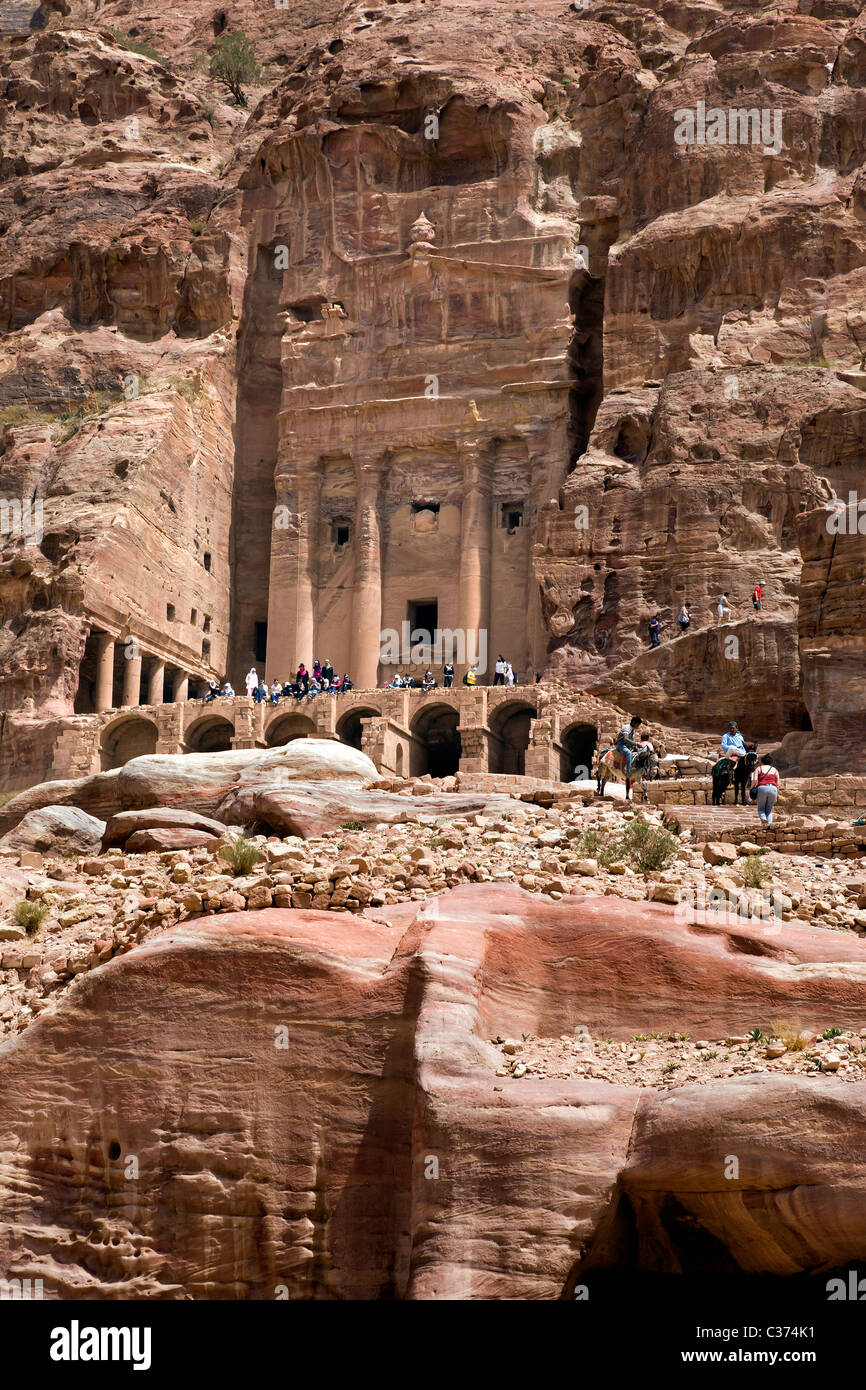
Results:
<point x="126" y="823"/>
<point x="174" y="837"/>
<point x="378" y="1074"/>
<point x="56" y="830"/>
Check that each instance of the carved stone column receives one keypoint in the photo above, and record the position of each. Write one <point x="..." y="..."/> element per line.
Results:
<point x="181" y="688"/>
<point x="474" y="591"/>
<point x="131" y="680"/>
<point x="156" y="683"/>
<point x="367" y="598"/>
<point x="104" y="672"/>
<point x="292" y="593"/>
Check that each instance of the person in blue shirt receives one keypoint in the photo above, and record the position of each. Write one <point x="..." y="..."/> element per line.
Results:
<point x="627" y="738"/>
<point x="732" y="741"/>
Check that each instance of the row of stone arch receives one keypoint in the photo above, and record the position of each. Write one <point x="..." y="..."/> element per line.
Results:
<point x="435" y="748"/>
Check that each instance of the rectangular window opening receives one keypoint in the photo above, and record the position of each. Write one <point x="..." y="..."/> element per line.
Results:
<point x="511" y="517"/>
<point x="260" y="641"/>
<point x="423" y="615"/>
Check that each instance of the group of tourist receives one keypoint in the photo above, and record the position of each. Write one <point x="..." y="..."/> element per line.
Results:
<point x="503" y="672"/>
<point x="684" y="617"/>
<point x="427" y="682"/>
<point x="321" y="680"/>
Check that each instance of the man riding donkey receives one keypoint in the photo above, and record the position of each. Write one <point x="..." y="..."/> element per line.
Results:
<point x="631" y="751"/>
<point x="736" y="763"/>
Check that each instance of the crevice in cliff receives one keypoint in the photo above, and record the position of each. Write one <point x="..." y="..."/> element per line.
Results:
<point x="586" y="358"/>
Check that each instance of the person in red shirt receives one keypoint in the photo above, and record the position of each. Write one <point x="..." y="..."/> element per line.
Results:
<point x="766" y="779"/>
<point x="756" y="596"/>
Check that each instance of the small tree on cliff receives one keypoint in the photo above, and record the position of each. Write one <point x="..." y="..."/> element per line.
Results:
<point x="234" y="64"/>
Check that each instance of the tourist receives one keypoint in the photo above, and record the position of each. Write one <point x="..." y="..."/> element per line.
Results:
<point x="276" y="691"/>
<point x="732" y="742"/>
<point x="757" y="594"/>
<point x="723" y="609"/>
<point x="252" y="680"/>
<point x="396" y="682"/>
<point x="348" y="683"/>
<point x="317" y="670"/>
<point x="510" y="678"/>
<point x="471" y="677"/>
<point x="227" y="693"/>
<point x="627" y="740"/>
<point x="303" y="677"/>
<point x="655" y="628"/>
<point x="315" y="687"/>
<point x="327" y="674"/>
<point x="448" y="675"/>
<point x="499" y="670"/>
<point x="684" y="618"/>
<point x="260" y="693"/>
<point x="766" y="779"/>
<point x="429" y="680"/>
<point x="212" y="692"/>
<point x="335" y="685"/>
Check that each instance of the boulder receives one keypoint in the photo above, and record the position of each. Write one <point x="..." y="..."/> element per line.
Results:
<point x="126" y="823"/>
<point x="175" y="837"/>
<point x="56" y="830"/>
<point x="716" y="852"/>
<point x="13" y="886"/>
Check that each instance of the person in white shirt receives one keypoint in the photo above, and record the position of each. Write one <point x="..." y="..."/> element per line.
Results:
<point x="509" y="673"/>
<point x="723" y="609"/>
<point x="227" y="692"/>
<point x="252" y="680"/>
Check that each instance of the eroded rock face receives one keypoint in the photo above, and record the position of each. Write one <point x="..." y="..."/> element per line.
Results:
<point x="705" y="293"/>
<point x="832" y="639"/>
<point x="286" y="1123"/>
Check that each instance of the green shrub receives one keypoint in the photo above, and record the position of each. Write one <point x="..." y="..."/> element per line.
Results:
<point x="190" y="390"/>
<point x="21" y="414"/>
<point x="30" y="915"/>
<point x="234" y="65"/>
<point x="132" y="46"/>
<point x="599" y="845"/>
<point x="352" y="825"/>
<point x="239" y="853"/>
<point x="756" y="872"/>
<point x="648" y="847"/>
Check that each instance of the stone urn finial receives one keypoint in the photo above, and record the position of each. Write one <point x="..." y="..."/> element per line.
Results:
<point x="472" y="416"/>
<point x="422" y="234"/>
